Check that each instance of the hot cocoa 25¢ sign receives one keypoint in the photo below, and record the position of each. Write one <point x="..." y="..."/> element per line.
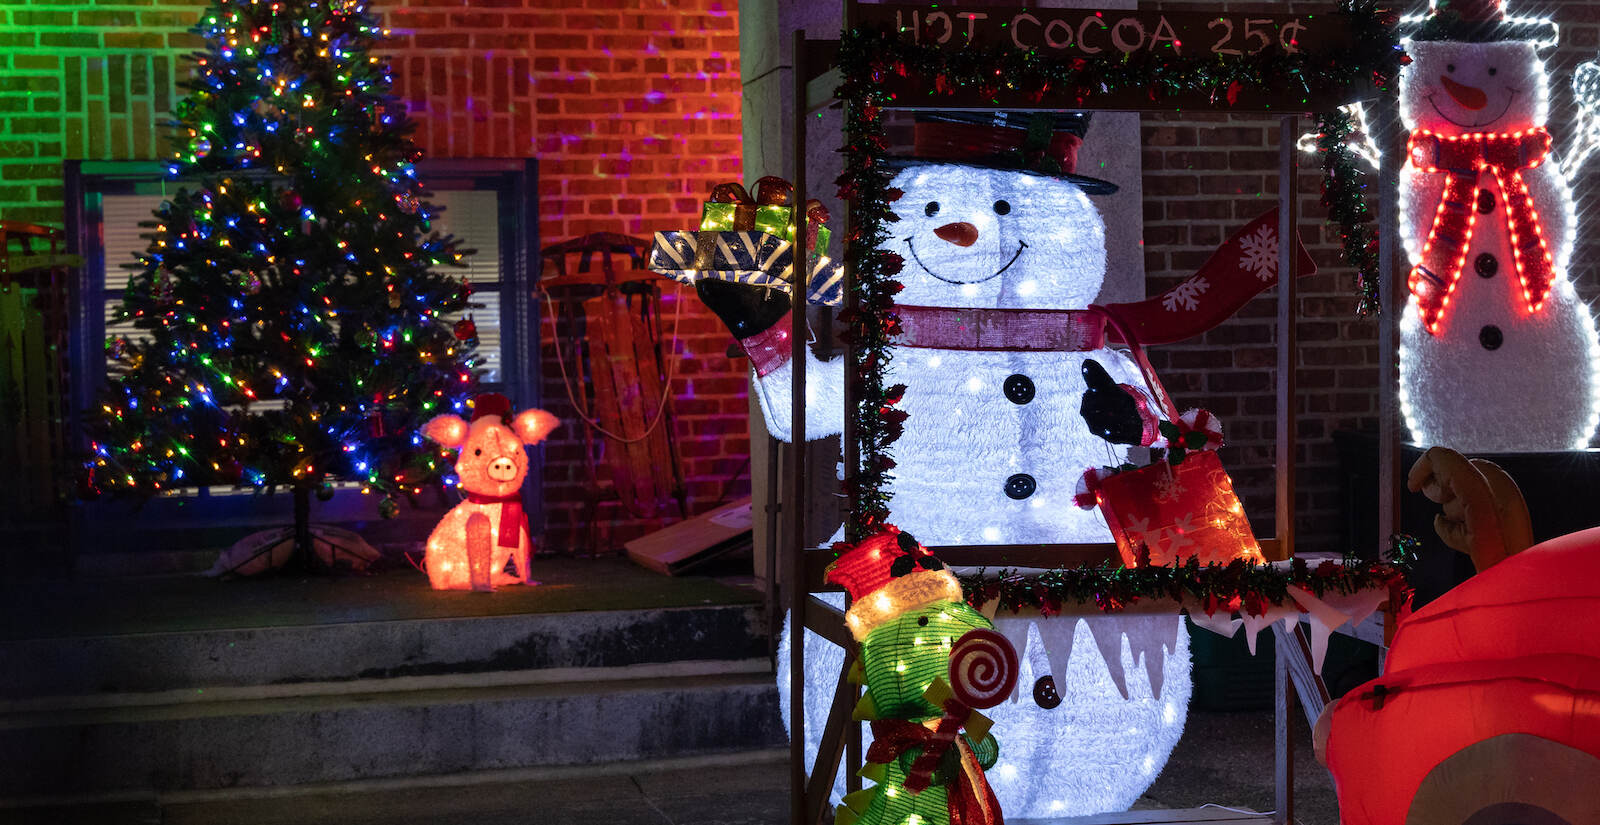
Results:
<point x="1090" y="33"/>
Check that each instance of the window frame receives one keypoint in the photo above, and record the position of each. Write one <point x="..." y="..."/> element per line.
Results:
<point x="515" y="182"/>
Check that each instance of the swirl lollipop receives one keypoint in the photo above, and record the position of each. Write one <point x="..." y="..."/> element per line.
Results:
<point x="983" y="668"/>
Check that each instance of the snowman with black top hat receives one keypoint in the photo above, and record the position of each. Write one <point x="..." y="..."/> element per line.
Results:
<point x="1004" y="252"/>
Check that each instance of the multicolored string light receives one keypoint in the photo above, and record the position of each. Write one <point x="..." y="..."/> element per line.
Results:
<point x="291" y="305"/>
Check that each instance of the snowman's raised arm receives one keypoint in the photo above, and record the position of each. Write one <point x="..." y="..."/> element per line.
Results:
<point x="759" y="318"/>
<point x="824" y="398"/>
<point x="1586" y="137"/>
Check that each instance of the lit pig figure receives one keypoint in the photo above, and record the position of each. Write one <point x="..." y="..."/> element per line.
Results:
<point x="471" y="545"/>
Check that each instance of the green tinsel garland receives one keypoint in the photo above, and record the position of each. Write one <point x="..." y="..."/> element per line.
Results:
<point x="1238" y="585"/>
<point x="1343" y="189"/>
<point x="867" y="56"/>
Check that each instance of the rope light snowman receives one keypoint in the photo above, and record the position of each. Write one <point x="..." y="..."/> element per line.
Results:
<point x="1498" y="353"/>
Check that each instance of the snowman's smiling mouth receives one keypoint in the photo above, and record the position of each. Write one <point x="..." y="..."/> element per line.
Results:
<point x="1021" y="245"/>
<point x="1510" y="98"/>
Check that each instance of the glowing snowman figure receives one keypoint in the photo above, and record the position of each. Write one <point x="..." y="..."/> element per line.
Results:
<point x="1498" y="352"/>
<point x="994" y="444"/>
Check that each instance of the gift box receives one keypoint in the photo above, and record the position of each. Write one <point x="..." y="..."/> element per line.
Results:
<point x="1161" y="514"/>
<point x="750" y="240"/>
<point x="1180" y="506"/>
<point x="771" y="211"/>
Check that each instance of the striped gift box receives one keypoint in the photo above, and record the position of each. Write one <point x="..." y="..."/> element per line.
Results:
<point x="746" y="258"/>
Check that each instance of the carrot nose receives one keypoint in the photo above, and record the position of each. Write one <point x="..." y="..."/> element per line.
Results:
<point x="1468" y="97"/>
<point x="960" y="234"/>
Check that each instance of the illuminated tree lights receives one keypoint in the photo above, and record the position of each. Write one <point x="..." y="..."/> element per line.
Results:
<point x="292" y="326"/>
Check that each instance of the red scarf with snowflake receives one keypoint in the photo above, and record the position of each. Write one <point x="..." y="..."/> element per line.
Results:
<point x="1463" y="159"/>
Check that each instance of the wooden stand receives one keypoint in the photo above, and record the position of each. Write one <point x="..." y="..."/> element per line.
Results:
<point x="815" y="78"/>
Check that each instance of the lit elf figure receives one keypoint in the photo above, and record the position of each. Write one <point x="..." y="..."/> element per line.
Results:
<point x="1498" y="352"/>
<point x="927" y="661"/>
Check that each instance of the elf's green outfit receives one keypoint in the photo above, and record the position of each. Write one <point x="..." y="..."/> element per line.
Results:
<point x="908" y="614"/>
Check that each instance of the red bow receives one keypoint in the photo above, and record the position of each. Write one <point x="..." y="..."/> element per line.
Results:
<point x="1463" y="159"/>
<point x="971" y="801"/>
<point x="513" y="521"/>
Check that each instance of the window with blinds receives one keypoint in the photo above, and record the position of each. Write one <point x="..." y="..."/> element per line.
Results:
<point x="472" y="215"/>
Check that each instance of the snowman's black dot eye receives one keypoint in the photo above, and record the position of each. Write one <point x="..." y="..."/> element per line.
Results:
<point x="1492" y="71"/>
<point x="478" y="451"/>
<point x="931" y="209"/>
<point x="1001" y="207"/>
<point x="1450" y="67"/>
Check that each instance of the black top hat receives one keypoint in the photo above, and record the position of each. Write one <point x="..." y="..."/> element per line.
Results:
<point x="1036" y="143"/>
<point x="1478" y="21"/>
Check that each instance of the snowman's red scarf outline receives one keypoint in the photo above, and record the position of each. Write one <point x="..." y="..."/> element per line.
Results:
<point x="1463" y="160"/>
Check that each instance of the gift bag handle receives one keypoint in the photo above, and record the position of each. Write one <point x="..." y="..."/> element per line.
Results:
<point x="1136" y="350"/>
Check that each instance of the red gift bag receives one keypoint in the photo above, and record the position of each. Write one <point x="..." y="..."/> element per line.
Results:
<point x="1161" y="514"/>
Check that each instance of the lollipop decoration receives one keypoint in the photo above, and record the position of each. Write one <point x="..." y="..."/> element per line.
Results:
<point x="927" y="659"/>
<point x="983" y="668"/>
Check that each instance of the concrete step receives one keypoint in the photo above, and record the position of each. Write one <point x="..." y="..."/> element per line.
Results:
<point x="352" y="736"/>
<point x="40" y="672"/>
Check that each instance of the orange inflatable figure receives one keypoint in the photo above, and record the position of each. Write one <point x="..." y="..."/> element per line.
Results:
<point x="1488" y="711"/>
<point x="472" y="544"/>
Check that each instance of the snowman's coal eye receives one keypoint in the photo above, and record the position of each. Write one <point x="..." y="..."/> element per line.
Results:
<point x="1001" y="207"/>
<point x="478" y="451"/>
<point x="1492" y="71"/>
<point x="931" y="209"/>
<point x="1450" y="67"/>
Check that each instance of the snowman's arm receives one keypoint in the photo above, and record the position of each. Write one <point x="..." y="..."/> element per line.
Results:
<point x="1124" y="370"/>
<point x="1586" y="139"/>
<point x="824" y="397"/>
<point x="760" y="319"/>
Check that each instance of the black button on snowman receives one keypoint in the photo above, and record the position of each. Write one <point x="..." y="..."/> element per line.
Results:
<point x="1020" y="486"/>
<point x="1019" y="388"/>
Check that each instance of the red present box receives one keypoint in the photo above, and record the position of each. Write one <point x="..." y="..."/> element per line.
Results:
<point x="1163" y="514"/>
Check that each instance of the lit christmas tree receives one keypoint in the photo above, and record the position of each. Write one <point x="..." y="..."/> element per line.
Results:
<point x="291" y="306"/>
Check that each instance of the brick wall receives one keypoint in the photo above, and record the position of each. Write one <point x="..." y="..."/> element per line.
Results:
<point x="632" y="107"/>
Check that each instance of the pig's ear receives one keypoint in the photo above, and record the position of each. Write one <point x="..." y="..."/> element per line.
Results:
<point x="449" y="430"/>
<point x="534" y="425"/>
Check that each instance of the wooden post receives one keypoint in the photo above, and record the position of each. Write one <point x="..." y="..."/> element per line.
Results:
<point x="795" y="540"/>
<point x="1288" y="289"/>
<point x="774" y="510"/>
<point x="1283" y="700"/>
<point x="1390" y="139"/>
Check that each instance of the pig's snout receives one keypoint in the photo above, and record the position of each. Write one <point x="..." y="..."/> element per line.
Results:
<point x="502" y="469"/>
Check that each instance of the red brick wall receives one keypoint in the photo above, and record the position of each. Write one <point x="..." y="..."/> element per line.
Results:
<point x="631" y="106"/>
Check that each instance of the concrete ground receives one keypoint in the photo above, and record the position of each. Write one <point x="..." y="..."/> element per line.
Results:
<point x="1223" y="759"/>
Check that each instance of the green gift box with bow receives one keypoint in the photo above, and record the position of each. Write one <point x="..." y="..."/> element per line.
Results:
<point x="732" y="209"/>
